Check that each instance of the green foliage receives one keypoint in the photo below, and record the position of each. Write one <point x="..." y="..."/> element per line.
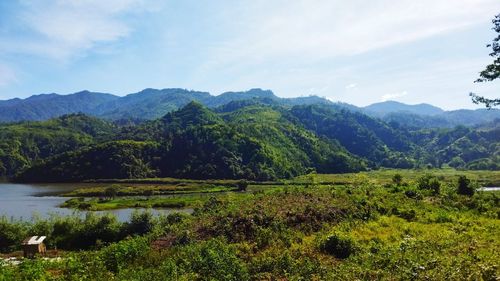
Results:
<point x="339" y="245"/>
<point x="360" y="134"/>
<point x="242" y="185"/>
<point x="492" y="71"/>
<point x="457" y="162"/>
<point x="111" y="191"/>
<point x="215" y="260"/>
<point x="118" y="159"/>
<point x="75" y="232"/>
<point x="397" y="179"/>
<point x="117" y="256"/>
<point x="366" y="228"/>
<point x="485" y="164"/>
<point x="465" y="187"/>
<point x="11" y="234"/>
<point x="251" y="141"/>
<point x="140" y="223"/>
<point x="429" y="182"/>
<point x="23" y="144"/>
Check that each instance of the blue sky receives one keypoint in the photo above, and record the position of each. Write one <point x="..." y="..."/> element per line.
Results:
<point x="354" y="51"/>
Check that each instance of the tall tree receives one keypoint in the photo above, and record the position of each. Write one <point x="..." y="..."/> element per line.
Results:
<point x="492" y="70"/>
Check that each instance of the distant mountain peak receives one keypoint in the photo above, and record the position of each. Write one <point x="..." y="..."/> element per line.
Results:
<point x="254" y="92"/>
<point x="386" y="107"/>
<point x="150" y="103"/>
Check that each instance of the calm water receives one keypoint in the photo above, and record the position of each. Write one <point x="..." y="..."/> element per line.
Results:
<point x="493" y="188"/>
<point x="26" y="201"/>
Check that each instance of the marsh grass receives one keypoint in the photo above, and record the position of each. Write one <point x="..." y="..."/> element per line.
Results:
<point x="353" y="227"/>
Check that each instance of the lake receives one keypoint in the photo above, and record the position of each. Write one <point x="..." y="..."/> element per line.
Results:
<point x="492" y="188"/>
<point x="25" y="201"/>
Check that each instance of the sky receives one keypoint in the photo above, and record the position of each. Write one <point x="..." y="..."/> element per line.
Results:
<point x="354" y="51"/>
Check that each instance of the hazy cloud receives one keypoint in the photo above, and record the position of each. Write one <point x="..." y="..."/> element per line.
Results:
<point x="351" y="86"/>
<point x="310" y="31"/>
<point x="62" y="29"/>
<point x="393" y="96"/>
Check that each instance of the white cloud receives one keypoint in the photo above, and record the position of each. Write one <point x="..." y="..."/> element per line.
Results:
<point x="351" y="86"/>
<point x="393" y="96"/>
<point x="62" y="29"/>
<point x="305" y="31"/>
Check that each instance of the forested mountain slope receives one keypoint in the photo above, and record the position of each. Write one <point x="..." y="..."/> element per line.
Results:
<point x="243" y="139"/>
<point x="150" y="104"/>
<point x="23" y="144"/>
<point x="43" y="107"/>
<point x="195" y="142"/>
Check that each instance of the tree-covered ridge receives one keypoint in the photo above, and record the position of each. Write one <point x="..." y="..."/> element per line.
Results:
<point x="360" y="134"/>
<point x="460" y="147"/>
<point x="43" y="107"/>
<point x="253" y="142"/>
<point x="248" y="140"/>
<point x="22" y="144"/>
<point x="151" y="104"/>
<point x="117" y="159"/>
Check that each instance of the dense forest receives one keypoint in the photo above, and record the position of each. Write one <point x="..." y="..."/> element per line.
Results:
<point x="248" y="139"/>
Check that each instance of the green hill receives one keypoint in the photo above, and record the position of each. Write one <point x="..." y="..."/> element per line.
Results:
<point x="22" y="144"/>
<point x="244" y="139"/>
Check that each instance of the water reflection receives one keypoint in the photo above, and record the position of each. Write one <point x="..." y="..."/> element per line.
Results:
<point x="28" y="201"/>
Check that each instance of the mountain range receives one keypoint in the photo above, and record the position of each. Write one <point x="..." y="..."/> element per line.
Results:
<point x="150" y="104"/>
<point x="254" y="139"/>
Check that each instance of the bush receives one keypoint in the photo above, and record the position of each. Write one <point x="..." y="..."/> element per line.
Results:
<point x="112" y="191"/>
<point x="408" y="215"/>
<point x="216" y="260"/>
<point x="340" y="246"/>
<point x="465" y="187"/>
<point x="429" y="182"/>
<point x="11" y="234"/>
<point x="397" y="179"/>
<point x="118" y="255"/>
<point x="413" y="194"/>
<point x="242" y="185"/>
<point x="140" y="223"/>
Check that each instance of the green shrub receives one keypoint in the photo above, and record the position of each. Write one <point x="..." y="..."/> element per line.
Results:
<point x="429" y="182"/>
<point x="340" y="246"/>
<point x="413" y="194"/>
<point x="112" y="191"/>
<point x="118" y="255"/>
<point x="32" y="270"/>
<point x="464" y="186"/>
<point x="285" y="264"/>
<point x="408" y="215"/>
<point x="397" y="179"/>
<point x="140" y="223"/>
<point x="242" y="185"/>
<point x="11" y="234"/>
<point x="216" y="260"/>
<point x="443" y="217"/>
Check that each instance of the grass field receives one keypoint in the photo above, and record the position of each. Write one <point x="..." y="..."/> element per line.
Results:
<point x="366" y="226"/>
<point x="179" y="193"/>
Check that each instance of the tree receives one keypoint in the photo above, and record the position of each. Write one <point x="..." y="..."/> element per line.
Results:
<point x="492" y="70"/>
<point x="111" y="191"/>
<point x="242" y="185"/>
<point x="464" y="186"/>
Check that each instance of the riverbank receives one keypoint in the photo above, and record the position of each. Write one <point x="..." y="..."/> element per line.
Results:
<point x="96" y="204"/>
<point x="406" y="228"/>
<point x="179" y="193"/>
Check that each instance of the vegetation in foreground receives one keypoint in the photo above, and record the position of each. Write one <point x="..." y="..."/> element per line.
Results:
<point x="405" y="229"/>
